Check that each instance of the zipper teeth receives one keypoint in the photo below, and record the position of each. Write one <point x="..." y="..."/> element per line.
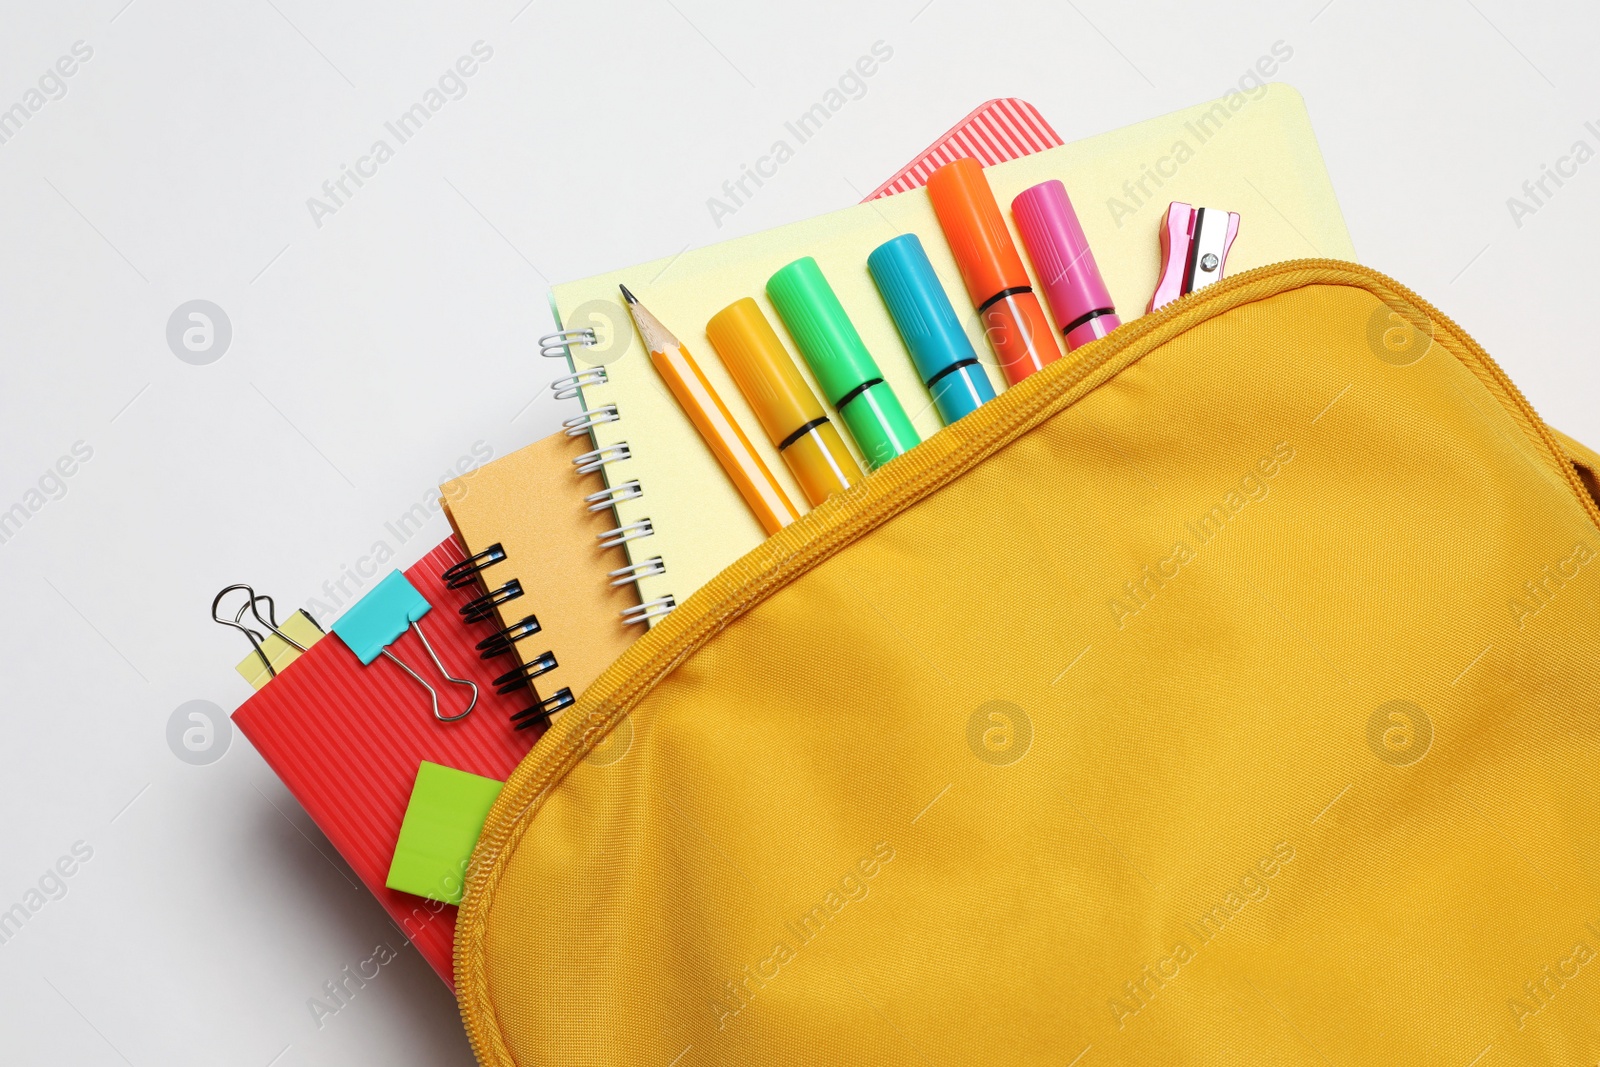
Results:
<point x="1474" y="352"/>
<point x="546" y="764"/>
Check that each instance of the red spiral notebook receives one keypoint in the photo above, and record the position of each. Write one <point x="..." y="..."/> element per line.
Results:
<point x="346" y="739"/>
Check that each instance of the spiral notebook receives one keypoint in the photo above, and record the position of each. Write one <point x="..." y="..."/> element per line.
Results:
<point x="490" y="510"/>
<point x="558" y="600"/>
<point x="1255" y="155"/>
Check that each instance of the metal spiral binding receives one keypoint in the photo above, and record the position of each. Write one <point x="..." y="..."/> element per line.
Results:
<point x="582" y="424"/>
<point x="613" y="496"/>
<point x="622" y="534"/>
<point x="540" y="713"/>
<point x="466" y="572"/>
<point x="520" y="676"/>
<point x="483" y="607"/>
<point x="502" y="641"/>
<point x="567" y="388"/>
<point x="590" y="462"/>
<point x="499" y="643"/>
<point x="650" y="609"/>
<point x="558" y="345"/>
<point x="632" y="573"/>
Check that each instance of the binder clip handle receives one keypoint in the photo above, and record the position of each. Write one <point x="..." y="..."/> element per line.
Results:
<point x="432" y="692"/>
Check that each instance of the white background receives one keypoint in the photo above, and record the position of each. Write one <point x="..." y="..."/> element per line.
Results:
<point x="372" y="352"/>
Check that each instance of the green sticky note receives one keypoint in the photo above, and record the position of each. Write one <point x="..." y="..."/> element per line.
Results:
<point x="443" y="820"/>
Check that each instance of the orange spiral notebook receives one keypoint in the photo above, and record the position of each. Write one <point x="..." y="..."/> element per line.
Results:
<point x="533" y="536"/>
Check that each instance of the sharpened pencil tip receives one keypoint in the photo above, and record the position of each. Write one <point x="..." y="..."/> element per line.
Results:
<point x="629" y="297"/>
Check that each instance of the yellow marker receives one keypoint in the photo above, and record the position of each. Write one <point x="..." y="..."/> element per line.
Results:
<point x="750" y="475"/>
<point x="789" y="411"/>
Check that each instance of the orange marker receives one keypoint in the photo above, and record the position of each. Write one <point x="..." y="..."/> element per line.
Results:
<point x="996" y="280"/>
<point x="710" y="416"/>
<point x="789" y="411"/>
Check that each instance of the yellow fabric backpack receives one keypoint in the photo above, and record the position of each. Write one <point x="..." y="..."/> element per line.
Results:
<point x="1227" y="696"/>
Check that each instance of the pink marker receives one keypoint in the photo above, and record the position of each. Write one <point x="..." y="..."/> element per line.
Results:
<point x="1072" y="285"/>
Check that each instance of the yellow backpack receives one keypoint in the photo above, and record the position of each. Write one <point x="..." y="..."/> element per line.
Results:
<point x="1228" y="696"/>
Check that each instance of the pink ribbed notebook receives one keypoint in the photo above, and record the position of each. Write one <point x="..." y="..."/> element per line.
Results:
<point x="995" y="132"/>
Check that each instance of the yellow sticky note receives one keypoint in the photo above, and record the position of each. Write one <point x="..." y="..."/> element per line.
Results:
<point x="301" y="628"/>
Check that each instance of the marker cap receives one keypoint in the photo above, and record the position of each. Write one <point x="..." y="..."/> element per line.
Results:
<point x="761" y="367"/>
<point x="789" y="411"/>
<point x="918" y="305"/>
<point x="976" y="233"/>
<point x="823" y="332"/>
<point x="940" y="349"/>
<point x="1067" y="272"/>
<point x="849" y="376"/>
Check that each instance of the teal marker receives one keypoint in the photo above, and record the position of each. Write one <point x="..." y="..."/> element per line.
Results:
<point x="843" y="367"/>
<point x="928" y="325"/>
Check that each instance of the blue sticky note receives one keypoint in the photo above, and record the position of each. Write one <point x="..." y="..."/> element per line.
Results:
<point x="381" y="616"/>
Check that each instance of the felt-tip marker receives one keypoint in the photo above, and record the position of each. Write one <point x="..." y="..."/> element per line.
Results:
<point x="789" y="411"/>
<point x="921" y="311"/>
<point x="1060" y="252"/>
<point x="996" y="280"/>
<point x="845" y="370"/>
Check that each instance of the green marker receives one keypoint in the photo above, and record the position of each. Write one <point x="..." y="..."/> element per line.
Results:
<point x="845" y="370"/>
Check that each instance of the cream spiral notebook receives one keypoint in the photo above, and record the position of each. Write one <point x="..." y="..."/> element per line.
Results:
<point x="677" y="514"/>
